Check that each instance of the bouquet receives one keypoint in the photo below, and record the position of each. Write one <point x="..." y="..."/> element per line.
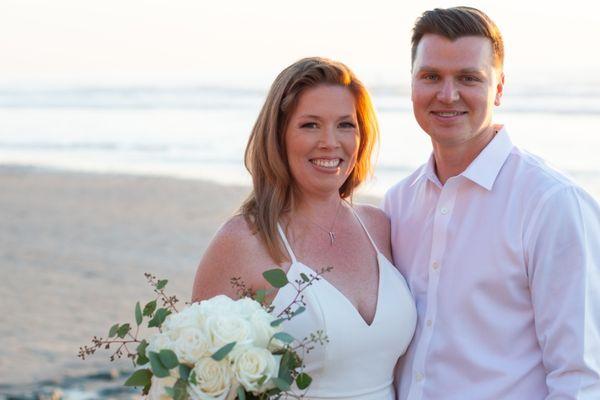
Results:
<point x="219" y="348"/>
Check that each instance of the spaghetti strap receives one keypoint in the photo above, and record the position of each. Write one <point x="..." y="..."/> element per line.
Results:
<point x="287" y="244"/>
<point x="365" y="229"/>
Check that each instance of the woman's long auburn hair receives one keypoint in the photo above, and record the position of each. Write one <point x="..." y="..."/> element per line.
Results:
<point x="266" y="157"/>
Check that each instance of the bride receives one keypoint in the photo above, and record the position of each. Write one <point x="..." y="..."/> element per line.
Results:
<point x="310" y="148"/>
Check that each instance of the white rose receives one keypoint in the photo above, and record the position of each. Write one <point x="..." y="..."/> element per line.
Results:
<point x="160" y="341"/>
<point x="246" y="306"/>
<point x="191" y="345"/>
<point x="213" y="380"/>
<point x="157" y="390"/>
<point x="220" y="304"/>
<point x="260" y="321"/>
<point x="251" y="364"/>
<point x="227" y="328"/>
<point x="191" y="316"/>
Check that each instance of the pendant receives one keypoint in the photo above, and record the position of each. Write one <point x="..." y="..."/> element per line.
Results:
<point x="331" y="237"/>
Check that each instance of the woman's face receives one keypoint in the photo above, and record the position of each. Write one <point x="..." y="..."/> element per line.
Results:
<point x="322" y="139"/>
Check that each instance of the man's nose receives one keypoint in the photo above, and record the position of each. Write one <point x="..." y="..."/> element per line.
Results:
<point x="448" y="93"/>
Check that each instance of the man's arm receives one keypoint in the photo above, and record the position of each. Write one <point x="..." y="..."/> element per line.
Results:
<point x="563" y="262"/>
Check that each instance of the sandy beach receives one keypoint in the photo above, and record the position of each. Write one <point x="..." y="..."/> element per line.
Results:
<point x="73" y="251"/>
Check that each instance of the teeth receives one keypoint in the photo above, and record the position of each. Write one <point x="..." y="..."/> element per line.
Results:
<point x="326" y="163"/>
<point x="449" y="114"/>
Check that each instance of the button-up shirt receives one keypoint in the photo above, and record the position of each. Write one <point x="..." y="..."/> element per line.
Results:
<point x="504" y="263"/>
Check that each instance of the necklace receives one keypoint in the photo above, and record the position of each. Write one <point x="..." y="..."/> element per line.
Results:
<point x="330" y="232"/>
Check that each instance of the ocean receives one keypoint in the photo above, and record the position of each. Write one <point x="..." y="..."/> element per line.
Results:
<point x="191" y="132"/>
<point x="200" y="132"/>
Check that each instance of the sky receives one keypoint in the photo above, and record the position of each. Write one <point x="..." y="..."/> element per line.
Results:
<point x="247" y="42"/>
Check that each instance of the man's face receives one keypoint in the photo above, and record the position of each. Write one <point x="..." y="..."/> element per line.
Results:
<point x="454" y="89"/>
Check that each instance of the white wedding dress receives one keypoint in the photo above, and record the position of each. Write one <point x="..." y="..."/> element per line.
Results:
<point x="358" y="361"/>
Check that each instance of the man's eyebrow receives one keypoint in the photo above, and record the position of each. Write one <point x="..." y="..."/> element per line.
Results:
<point x="427" y="68"/>
<point x="471" y="71"/>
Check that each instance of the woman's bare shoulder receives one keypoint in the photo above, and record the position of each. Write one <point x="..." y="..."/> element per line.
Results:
<point x="235" y="251"/>
<point x="378" y="225"/>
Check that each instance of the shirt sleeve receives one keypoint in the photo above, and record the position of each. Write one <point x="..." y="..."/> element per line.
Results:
<point x="562" y="247"/>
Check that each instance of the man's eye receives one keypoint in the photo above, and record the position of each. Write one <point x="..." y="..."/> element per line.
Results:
<point x="309" y="125"/>
<point x="469" y="78"/>
<point x="430" y="77"/>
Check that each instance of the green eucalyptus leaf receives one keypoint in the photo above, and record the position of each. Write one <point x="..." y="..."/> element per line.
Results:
<point x="298" y="311"/>
<point x="157" y="366"/>
<point x="123" y="330"/>
<point x="192" y="378"/>
<point x="281" y="384"/>
<point x="277" y="322"/>
<point x="241" y="394"/>
<point x="180" y="390"/>
<point x="304" y="277"/>
<point x="284" y="337"/>
<point x="285" y="368"/>
<point x="184" y="372"/>
<point x="138" y="314"/>
<point x="168" y="358"/>
<point x="149" y="308"/>
<point x="146" y="389"/>
<point x="161" y="284"/>
<point x="276" y="277"/>
<point x="260" y="295"/>
<point x="141" y="377"/>
<point x="170" y="392"/>
<point x="303" y="381"/>
<point x="159" y="317"/>
<point x="261" y="380"/>
<point x="113" y="330"/>
<point x="141" y="353"/>
<point x="223" y="351"/>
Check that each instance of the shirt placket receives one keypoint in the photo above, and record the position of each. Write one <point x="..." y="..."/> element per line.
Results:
<point x="443" y="214"/>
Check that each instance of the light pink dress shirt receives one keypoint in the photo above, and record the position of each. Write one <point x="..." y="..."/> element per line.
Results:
<point x="504" y="264"/>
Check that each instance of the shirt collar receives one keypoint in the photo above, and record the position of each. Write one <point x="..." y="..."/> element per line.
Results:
<point x="485" y="168"/>
<point x="428" y="171"/>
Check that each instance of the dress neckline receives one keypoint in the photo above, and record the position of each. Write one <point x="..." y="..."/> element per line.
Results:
<point x="295" y="261"/>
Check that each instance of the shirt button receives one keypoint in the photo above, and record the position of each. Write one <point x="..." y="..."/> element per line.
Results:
<point x="418" y="377"/>
<point x="429" y="322"/>
<point x="444" y="210"/>
<point x="435" y="265"/>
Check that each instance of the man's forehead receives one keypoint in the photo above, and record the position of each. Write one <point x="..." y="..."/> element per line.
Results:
<point x="435" y="51"/>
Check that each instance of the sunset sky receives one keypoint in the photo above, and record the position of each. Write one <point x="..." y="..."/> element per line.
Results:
<point x="242" y="42"/>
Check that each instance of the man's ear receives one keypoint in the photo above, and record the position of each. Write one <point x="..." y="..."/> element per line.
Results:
<point x="499" y="88"/>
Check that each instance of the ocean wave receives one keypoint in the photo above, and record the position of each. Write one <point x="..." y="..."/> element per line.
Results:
<point x="576" y="100"/>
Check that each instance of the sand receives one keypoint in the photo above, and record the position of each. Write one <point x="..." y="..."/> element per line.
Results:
<point x="73" y="251"/>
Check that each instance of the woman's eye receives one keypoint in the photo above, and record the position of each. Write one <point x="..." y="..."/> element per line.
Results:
<point x="309" y="125"/>
<point x="347" y="125"/>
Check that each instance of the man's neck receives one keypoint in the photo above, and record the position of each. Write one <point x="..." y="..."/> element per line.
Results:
<point x="453" y="160"/>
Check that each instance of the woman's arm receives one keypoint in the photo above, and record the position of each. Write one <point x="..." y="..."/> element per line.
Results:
<point x="234" y="252"/>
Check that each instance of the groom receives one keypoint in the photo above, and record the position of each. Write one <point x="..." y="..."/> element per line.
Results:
<point x="501" y="252"/>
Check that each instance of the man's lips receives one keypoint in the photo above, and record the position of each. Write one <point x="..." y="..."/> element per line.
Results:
<point x="448" y="114"/>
